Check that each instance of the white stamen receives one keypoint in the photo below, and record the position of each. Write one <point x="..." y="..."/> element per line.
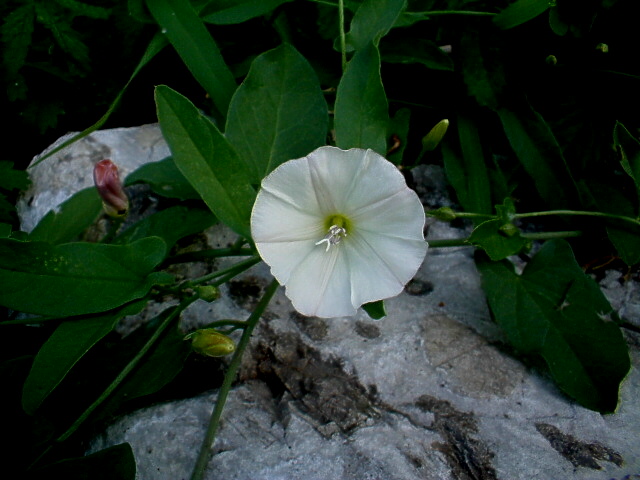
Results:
<point x="333" y="237"/>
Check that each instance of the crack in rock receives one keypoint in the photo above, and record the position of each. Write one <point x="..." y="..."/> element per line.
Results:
<point x="580" y="454"/>
<point x="325" y="391"/>
<point x="468" y="458"/>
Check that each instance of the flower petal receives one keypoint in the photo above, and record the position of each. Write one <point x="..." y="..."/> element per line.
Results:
<point x="381" y="265"/>
<point x="275" y="219"/>
<point x="320" y="285"/>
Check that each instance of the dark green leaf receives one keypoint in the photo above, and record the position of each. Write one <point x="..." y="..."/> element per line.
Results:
<point x="416" y="50"/>
<point x="113" y="463"/>
<point x="361" y="109"/>
<point x="495" y="241"/>
<point x="539" y="153"/>
<point x="11" y="179"/>
<point x="171" y="225"/>
<point x="482" y="72"/>
<point x="5" y="230"/>
<point x="375" y="309"/>
<point x="206" y="159"/>
<point x="467" y="172"/>
<point x="629" y="148"/>
<point x="16" y="30"/>
<point x="520" y="12"/>
<point x="554" y="310"/>
<point x="63" y="349"/>
<point x="68" y="221"/>
<point x="227" y="12"/>
<point x="278" y="113"/>
<point x="84" y="9"/>
<point x="159" y="367"/>
<point x="372" y="21"/>
<point x="399" y="132"/>
<point x="164" y="178"/>
<point x="77" y="278"/>
<point x="196" y="47"/>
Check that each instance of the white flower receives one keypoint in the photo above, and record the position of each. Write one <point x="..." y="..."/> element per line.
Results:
<point x="339" y="229"/>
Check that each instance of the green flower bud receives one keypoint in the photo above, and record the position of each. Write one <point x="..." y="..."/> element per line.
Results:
<point x="445" y="214"/>
<point x="602" y="47"/>
<point x="509" y="229"/>
<point x="209" y="342"/>
<point x="551" y="60"/>
<point x="208" y="293"/>
<point x="431" y="140"/>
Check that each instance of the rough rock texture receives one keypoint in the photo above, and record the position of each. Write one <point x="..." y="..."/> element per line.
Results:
<point x="429" y="392"/>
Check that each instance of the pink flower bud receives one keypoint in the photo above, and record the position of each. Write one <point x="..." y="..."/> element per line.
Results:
<point x="107" y="181"/>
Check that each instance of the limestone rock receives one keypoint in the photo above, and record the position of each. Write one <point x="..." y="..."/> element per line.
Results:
<point x="429" y="392"/>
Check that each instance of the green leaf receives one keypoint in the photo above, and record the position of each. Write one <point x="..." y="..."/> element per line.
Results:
<point x="372" y="21"/>
<point x="361" y="109"/>
<point x="228" y="12"/>
<point x="171" y="225"/>
<point x="206" y="159"/>
<point x="113" y="463"/>
<point x="467" y="171"/>
<point x="278" y="113"/>
<point x="11" y="179"/>
<point x="482" y="72"/>
<point x="399" y="131"/>
<point x="77" y="278"/>
<point x="416" y="50"/>
<point x="17" y="30"/>
<point x="624" y="236"/>
<point x="629" y="149"/>
<point x="556" y="311"/>
<point x="161" y="365"/>
<point x="375" y="309"/>
<point x="191" y="39"/>
<point x="520" y="12"/>
<point x="496" y="241"/>
<point x="84" y="9"/>
<point x="164" y="178"/>
<point x="70" y="341"/>
<point x="5" y="230"/>
<point x="499" y="237"/>
<point x="68" y="221"/>
<point x="539" y="153"/>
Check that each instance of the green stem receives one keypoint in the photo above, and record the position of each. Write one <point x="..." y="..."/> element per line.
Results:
<point x="130" y="366"/>
<point x="579" y="213"/>
<point x="231" y="271"/>
<point x="343" y="42"/>
<point x="210" y="253"/>
<point x="121" y="376"/>
<point x="436" y="13"/>
<point x="252" y="321"/>
<point x="464" y="242"/>
<point x="116" y="223"/>
<point x="551" y="235"/>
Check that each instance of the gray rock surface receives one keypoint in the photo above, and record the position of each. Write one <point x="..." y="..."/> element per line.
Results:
<point x="429" y="392"/>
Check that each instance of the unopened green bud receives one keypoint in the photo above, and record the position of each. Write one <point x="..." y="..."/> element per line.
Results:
<point x="208" y="293"/>
<point x="446" y="214"/>
<point x="509" y="229"/>
<point x="551" y="60"/>
<point x="602" y="47"/>
<point x="431" y="140"/>
<point x="209" y="342"/>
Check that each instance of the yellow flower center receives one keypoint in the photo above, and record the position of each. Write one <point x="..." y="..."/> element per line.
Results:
<point x="336" y="226"/>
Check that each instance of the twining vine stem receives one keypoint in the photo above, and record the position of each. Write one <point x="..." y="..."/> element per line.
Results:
<point x="234" y="365"/>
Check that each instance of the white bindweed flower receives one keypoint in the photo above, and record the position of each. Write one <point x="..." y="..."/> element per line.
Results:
<point x="339" y="229"/>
